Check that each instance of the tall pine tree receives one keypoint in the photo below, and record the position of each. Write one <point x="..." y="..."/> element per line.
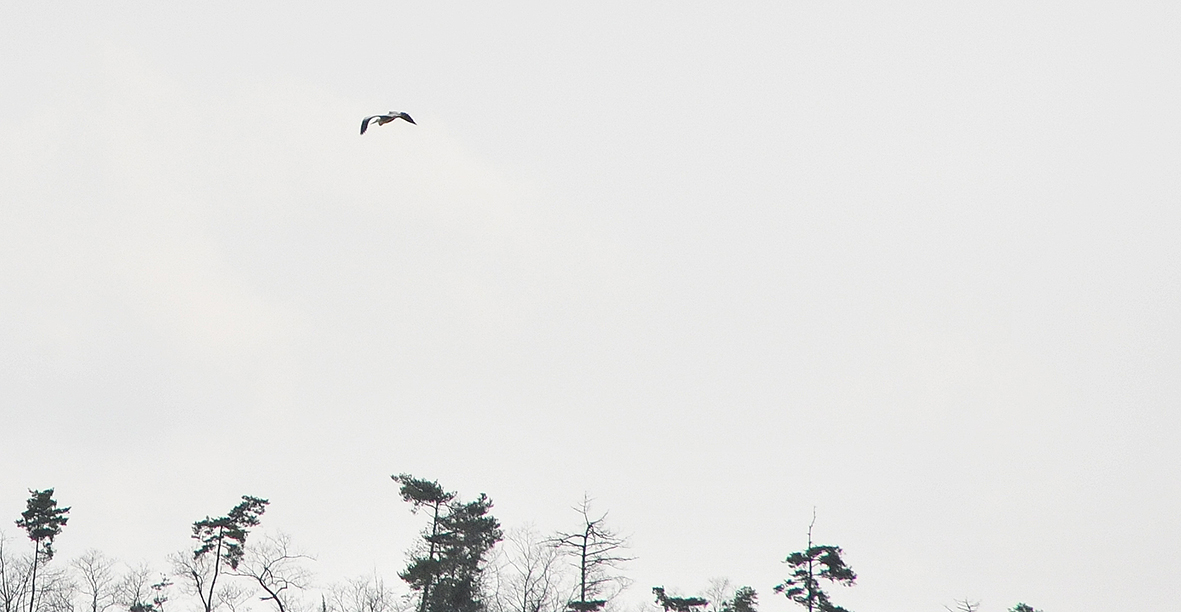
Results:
<point x="225" y="537"/>
<point x="42" y="520"/>
<point x="446" y="569"/>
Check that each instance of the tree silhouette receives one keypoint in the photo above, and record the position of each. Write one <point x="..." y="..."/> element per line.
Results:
<point x="43" y="521"/>
<point x="277" y="567"/>
<point x="596" y="549"/>
<point x="529" y="574"/>
<point x="423" y="571"/>
<point x="456" y="542"/>
<point x="966" y="605"/>
<point x="225" y="537"/>
<point x="135" y="591"/>
<point x="808" y="567"/>
<point x="98" y="580"/>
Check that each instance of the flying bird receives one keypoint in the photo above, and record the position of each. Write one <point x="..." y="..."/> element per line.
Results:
<point x="384" y="119"/>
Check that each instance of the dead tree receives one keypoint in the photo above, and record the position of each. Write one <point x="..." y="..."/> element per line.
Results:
<point x="276" y="567"/>
<point x="597" y="553"/>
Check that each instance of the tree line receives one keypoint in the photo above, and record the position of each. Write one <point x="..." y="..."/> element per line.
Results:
<point x="462" y="561"/>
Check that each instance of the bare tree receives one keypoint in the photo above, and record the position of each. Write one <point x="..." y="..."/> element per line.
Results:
<point x="233" y="596"/>
<point x="14" y="577"/>
<point x="56" y="590"/>
<point x="137" y="593"/>
<point x="597" y="553"/>
<point x="132" y="591"/>
<point x="197" y="575"/>
<point x="364" y="594"/>
<point x="277" y="568"/>
<point x="193" y="573"/>
<point x="965" y="605"/>
<point x="97" y="580"/>
<point x="530" y="575"/>
<point x="719" y="591"/>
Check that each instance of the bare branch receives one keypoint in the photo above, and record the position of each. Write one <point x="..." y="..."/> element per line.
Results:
<point x="528" y="574"/>
<point x="596" y="551"/>
<point x="98" y="582"/>
<point x="965" y="605"/>
<point x="277" y="568"/>
<point x="364" y="594"/>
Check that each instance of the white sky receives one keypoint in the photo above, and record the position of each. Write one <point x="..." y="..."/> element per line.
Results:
<point x="914" y="264"/>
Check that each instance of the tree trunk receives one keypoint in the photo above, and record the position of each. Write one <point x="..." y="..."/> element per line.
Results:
<point x="33" y="580"/>
<point x="216" y="566"/>
<point x="426" y="588"/>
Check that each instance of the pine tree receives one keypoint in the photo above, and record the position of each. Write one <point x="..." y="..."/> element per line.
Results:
<point x="43" y="521"/>
<point x="225" y="537"/>
<point x="678" y="604"/>
<point x="447" y="571"/>
<point x="745" y="600"/>
<point x="808" y="567"/>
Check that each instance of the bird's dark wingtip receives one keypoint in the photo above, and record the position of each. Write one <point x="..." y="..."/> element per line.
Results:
<point x="365" y="124"/>
<point x="407" y="117"/>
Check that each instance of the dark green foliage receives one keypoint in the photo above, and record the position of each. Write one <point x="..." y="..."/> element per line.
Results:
<point x="158" y="599"/>
<point x="677" y="604"/>
<point x="422" y="493"/>
<point x="43" y="520"/>
<point x="1023" y="607"/>
<point x="160" y="596"/>
<point x="225" y="537"/>
<point x="423" y="570"/>
<point x="745" y="600"/>
<point x="808" y="567"/>
<point x="447" y="571"/>
<point x="133" y="596"/>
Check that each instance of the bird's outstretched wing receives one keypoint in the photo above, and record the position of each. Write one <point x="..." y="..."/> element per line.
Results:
<point x="365" y="122"/>
<point x="406" y="117"/>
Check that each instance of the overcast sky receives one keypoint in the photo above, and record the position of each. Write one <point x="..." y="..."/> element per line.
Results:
<point x="913" y="264"/>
